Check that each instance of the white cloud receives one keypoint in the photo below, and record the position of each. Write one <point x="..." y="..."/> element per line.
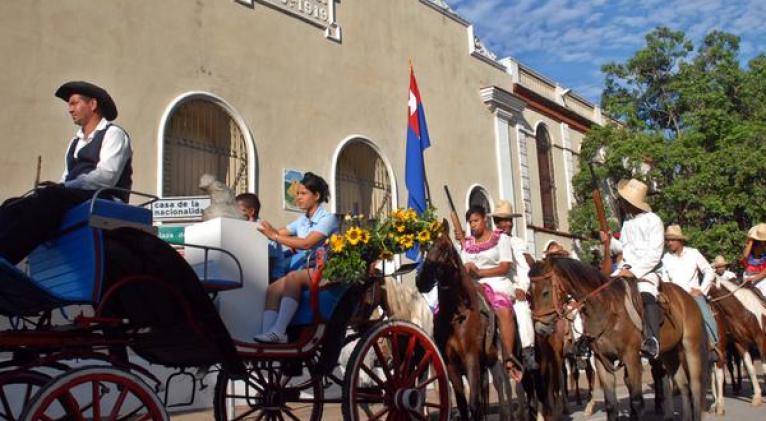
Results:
<point x="597" y="31"/>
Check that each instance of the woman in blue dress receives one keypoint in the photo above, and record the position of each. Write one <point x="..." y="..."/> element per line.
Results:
<point x="306" y="235"/>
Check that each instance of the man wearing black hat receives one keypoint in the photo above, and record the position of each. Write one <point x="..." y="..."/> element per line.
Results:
<point x="99" y="156"/>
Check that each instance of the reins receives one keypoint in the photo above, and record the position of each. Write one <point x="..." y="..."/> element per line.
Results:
<point x="558" y="306"/>
<point x="740" y="286"/>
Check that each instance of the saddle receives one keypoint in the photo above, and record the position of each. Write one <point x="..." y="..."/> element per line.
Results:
<point x="634" y="306"/>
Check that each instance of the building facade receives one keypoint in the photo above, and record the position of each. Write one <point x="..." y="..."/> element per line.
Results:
<point x="256" y="91"/>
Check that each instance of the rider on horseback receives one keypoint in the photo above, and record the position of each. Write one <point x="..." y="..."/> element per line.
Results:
<point x="682" y="266"/>
<point x="503" y="218"/>
<point x="642" y="241"/>
<point x="754" y="259"/>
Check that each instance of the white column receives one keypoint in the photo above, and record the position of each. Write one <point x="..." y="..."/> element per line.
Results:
<point x="566" y="143"/>
<point x="526" y="190"/>
<point x="503" y="154"/>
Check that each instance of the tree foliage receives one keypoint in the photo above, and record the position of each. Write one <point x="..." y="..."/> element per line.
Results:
<point x="693" y="127"/>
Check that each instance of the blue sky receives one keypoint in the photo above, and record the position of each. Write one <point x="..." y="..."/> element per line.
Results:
<point x="569" y="40"/>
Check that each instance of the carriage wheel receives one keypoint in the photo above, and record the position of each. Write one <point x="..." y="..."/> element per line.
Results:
<point x="396" y="372"/>
<point x="95" y="392"/>
<point x="22" y="384"/>
<point x="271" y="391"/>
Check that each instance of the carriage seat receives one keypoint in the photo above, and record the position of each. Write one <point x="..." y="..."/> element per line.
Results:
<point x="70" y="266"/>
<point x="329" y="297"/>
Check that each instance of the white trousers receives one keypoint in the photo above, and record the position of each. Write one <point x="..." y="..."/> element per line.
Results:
<point x="649" y="284"/>
<point x="524" y="321"/>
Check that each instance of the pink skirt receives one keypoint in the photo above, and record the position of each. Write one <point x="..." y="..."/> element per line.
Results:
<point x="496" y="299"/>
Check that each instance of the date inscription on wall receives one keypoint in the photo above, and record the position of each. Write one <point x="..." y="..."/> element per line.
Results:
<point x="320" y="13"/>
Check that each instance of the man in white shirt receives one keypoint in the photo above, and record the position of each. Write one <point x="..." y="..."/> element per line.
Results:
<point x="98" y="157"/>
<point x="722" y="272"/>
<point x="642" y="239"/>
<point x="683" y="265"/>
<point x="519" y="276"/>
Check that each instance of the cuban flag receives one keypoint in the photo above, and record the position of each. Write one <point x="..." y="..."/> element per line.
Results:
<point x="417" y="142"/>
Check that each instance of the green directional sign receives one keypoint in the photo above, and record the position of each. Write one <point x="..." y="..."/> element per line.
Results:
<point x="173" y="235"/>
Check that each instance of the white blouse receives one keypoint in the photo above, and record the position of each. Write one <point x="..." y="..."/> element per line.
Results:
<point x="492" y="258"/>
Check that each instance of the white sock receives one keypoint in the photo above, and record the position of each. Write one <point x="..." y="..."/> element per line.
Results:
<point x="269" y="317"/>
<point x="287" y="308"/>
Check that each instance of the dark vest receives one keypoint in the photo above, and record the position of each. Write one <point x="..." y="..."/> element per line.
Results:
<point x="87" y="158"/>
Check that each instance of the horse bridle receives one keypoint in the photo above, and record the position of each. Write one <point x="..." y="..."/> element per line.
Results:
<point x="563" y="309"/>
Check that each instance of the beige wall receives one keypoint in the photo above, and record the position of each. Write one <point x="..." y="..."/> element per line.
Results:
<point x="299" y="94"/>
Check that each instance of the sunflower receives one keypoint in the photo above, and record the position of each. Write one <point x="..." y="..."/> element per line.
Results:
<point x="400" y="226"/>
<point x="424" y="236"/>
<point x="336" y="243"/>
<point x="435" y="226"/>
<point x="364" y="237"/>
<point x="407" y="241"/>
<point x="354" y="235"/>
<point x="410" y="215"/>
<point x="399" y="214"/>
<point x="386" y="255"/>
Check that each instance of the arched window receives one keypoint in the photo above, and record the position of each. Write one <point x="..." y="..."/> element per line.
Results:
<point x="545" y="172"/>
<point x="201" y="137"/>
<point x="362" y="183"/>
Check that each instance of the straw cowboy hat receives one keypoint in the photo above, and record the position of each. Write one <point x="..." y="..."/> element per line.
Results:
<point x="720" y="261"/>
<point x="673" y="232"/>
<point x="634" y="192"/>
<point x="504" y="209"/>
<point x="758" y="232"/>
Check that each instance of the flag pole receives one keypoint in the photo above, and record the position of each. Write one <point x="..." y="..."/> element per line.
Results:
<point x="425" y="175"/>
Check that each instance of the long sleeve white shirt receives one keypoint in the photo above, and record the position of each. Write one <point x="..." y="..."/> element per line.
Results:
<point x="520" y="270"/>
<point x="643" y="240"/>
<point x="115" y="152"/>
<point x="684" y="270"/>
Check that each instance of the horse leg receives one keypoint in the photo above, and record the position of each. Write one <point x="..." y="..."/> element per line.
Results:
<point x="682" y="381"/>
<point x="663" y="388"/>
<point x="757" y="401"/>
<point x="456" y="378"/>
<point x="697" y="367"/>
<point x="503" y="388"/>
<point x="607" y="379"/>
<point x="717" y="387"/>
<point x="588" y="411"/>
<point x="473" y="369"/>
<point x="632" y="363"/>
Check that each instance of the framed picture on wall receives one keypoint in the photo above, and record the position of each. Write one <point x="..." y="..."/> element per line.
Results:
<point x="290" y="180"/>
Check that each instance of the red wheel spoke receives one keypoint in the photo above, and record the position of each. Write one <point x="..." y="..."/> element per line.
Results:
<point x="290" y="414"/>
<point x="377" y="415"/>
<point x="381" y="360"/>
<point x="6" y="406"/>
<point x="118" y="405"/>
<point x="248" y="412"/>
<point x="422" y="366"/>
<point x="369" y="397"/>
<point x="395" y="357"/>
<point x="96" y="401"/>
<point x="409" y="352"/>
<point x="45" y="417"/>
<point x="427" y="382"/>
<point x="372" y="375"/>
<point x="145" y="417"/>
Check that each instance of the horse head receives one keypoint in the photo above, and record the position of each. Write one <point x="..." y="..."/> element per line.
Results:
<point x="548" y="294"/>
<point x="441" y="262"/>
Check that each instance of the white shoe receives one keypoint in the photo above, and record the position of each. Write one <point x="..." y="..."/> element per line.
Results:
<point x="271" y="338"/>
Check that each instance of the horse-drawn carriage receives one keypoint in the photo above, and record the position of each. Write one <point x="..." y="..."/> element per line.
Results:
<point x="138" y="295"/>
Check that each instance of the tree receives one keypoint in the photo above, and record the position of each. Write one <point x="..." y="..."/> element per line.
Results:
<point x="692" y="125"/>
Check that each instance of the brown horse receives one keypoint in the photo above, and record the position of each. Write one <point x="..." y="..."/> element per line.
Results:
<point x="615" y="337"/>
<point x="466" y="336"/>
<point x="743" y="328"/>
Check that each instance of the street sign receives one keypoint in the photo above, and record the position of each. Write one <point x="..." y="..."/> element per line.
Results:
<point x="180" y="208"/>
<point x="172" y="235"/>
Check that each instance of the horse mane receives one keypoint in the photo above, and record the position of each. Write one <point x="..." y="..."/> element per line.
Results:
<point x="578" y="276"/>
<point x="749" y="300"/>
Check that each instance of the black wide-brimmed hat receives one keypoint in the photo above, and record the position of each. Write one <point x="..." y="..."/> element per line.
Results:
<point x="105" y="102"/>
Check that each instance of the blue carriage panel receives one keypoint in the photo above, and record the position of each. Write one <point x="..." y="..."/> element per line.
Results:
<point x="329" y="297"/>
<point x="70" y="267"/>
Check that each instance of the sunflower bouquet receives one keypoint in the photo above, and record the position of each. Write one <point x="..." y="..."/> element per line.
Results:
<point x="351" y="252"/>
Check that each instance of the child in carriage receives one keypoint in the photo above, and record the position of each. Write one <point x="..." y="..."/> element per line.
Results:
<point x="306" y="235"/>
